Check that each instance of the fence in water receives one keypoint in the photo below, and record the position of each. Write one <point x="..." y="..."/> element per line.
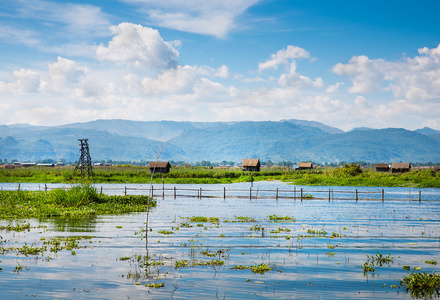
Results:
<point x="295" y="193"/>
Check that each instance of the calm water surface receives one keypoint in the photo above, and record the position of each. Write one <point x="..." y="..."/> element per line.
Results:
<point x="303" y="266"/>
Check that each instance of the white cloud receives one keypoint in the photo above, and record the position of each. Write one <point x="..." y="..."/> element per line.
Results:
<point x="63" y="75"/>
<point x="138" y="46"/>
<point x="284" y="57"/>
<point x="331" y="89"/>
<point x="25" y="81"/>
<point x="210" y="17"/>
<point x="80" y="19"/>
<point x="298" y="81"/>
<point x="14" y="35"/>
<point x="415" y="79"/>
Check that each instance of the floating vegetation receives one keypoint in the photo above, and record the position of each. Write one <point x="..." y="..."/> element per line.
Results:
<point x="256" y="228"/>
<point x="241" y="220"/>
<point x="308" y="196"/>
<point x="166" y="232"/>
<point x="155" y="285"/>
<point x="407" y="268"/>
<point x="315" y="233"/>
<point x="422" y="285"/>
<point x="258" y="269"/>
<point x="275" y="218"/>
<point x="279" y="230"/>
<point x="204" y="220"/>
<point x="431" y="262"/>
<point x="377" y="260"/>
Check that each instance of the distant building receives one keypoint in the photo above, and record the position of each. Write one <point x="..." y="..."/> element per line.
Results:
<point x="251" y="165"/>
<point x="26" y="165"/>
<point x="98" y="164"/>
<point x="159" y="167"/>
<point x="382" y="167"/>
<point x="400" y="167"/>
<point x="305" y="166"/>
<point x="46" y="165"/>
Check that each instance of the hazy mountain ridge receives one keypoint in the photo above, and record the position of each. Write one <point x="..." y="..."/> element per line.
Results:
<point x="294" y="140"/>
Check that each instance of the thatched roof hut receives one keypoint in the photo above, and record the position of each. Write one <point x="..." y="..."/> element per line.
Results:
<point x="159" y="167"/>
<point x="305" y="166"/>
<point x="251" y="165"/>
<point x="400" y="167"/>
<point x="382" y="167"/>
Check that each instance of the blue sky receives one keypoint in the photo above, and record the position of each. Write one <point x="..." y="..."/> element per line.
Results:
<point x="343" y="63"/>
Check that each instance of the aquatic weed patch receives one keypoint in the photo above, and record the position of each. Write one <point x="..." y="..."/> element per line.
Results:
<point x="422" y="285"/>
<point x="377" y="260"/>
<point x="257" y="269"/>
<point x="77" y="202"/>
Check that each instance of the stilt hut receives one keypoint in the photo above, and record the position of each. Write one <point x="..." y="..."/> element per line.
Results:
<point x="305" y="166"/>
<point x="382" y="167"/>
<point x="251" y="165"/>
<point x="159" y="167"/>
<point x="400" y="167"/>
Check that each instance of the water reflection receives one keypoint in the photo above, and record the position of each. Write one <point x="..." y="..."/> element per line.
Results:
<point x="114" y="264"/>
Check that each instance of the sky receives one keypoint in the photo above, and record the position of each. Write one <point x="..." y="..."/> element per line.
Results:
<point x="343" y="63"/>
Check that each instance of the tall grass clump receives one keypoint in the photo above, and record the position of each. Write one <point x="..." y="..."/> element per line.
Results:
<point x="81" y="201"/>
<point x="76" y="196"/>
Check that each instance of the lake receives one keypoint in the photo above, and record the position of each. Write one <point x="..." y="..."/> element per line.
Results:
<point x="317" y="252"/>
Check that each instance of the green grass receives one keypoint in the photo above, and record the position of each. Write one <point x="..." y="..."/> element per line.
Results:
<point x="348" y="175"/>
<point x="77" y="202"/>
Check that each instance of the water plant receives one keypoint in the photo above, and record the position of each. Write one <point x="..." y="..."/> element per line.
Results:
<point x="166" y="232"/>
<point x="422" y="285"/>
<point x="78" y="202"/>
<point x="257" y="268"/>
<point x="275" y="218"/>
<point x="377" y="260"/>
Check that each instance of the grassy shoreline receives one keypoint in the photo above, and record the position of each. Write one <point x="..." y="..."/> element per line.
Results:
<point x="349" y="175"/>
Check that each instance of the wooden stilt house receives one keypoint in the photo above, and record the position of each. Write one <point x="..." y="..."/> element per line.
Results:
<point x="400" y="167"/>
<point x="159" y="167"/>
<point x="382" y="167"/>
<point x="251" y="165"/>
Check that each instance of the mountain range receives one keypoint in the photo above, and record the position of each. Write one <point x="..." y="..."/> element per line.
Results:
<point x="286" y="140"/>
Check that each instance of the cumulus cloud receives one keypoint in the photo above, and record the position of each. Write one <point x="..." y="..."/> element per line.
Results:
<point x="25" y="81"/>
<point x="415" y="79"/>
<point x="63" y="74"/>
<point x="284" y="57"/>
<point x="296" y="80"/>
<point x="210" y="17"/>
<point x="138" y="46"/>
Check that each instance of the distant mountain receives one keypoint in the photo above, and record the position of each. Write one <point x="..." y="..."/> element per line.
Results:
<point x="427" y="131"/>
<point x="325" y="128"/>
<point x="294" y="140"/>
<point x="361" y="129"/>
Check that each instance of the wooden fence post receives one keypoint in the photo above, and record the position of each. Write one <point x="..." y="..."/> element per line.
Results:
<point x="420" y="195"/>
<point x="356" y="195"/>
<point x="125" y="191"/>
<point x="382" y="195"/>
<point x="277" y="195"/>
<point x="18" y="187"/>
<point x="200" y="193"/>
<point x="301" y="194"/>
<point x="174" y="192"/>
<point x="250" y="193"/>
<point x="294" y="193"/>
<point x="101" y="189"/>
<point x="224" y="192"/>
